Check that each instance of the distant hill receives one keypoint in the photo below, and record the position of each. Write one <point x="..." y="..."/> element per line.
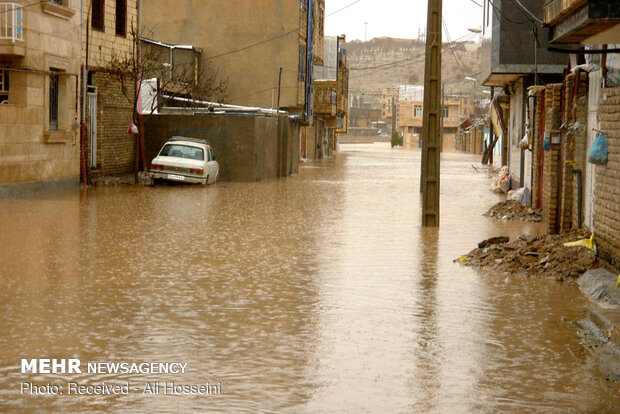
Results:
<point x="388" y="62"/>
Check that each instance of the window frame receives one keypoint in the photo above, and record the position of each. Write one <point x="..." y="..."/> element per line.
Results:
<point x="100" y="24"/>
<point x="123" y="5"/>
<point x="53" y="121"/>
<point x="5" y="86"/>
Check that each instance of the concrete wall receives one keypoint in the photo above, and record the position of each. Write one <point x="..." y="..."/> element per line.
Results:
<point x="510" y="48"/>
<point x="31" y="152"/>
<point x="248" y="147"/>
<point x="222" y="26"/>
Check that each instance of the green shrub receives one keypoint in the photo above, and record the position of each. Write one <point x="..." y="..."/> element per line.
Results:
<point x="396" y="139"/>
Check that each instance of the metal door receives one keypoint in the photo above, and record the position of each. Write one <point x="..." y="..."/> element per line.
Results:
<point x="92" y="128"/>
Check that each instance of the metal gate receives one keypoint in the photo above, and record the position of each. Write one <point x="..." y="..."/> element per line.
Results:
<point x="92" y="127"/>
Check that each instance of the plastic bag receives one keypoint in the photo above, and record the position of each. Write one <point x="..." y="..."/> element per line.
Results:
<point x="133" y="129"/>
<point x="504" y="184"/>
<point x="598" y="152"/>
<point x="522" y="195"/>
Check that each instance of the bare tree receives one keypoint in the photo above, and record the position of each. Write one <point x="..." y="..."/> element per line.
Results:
<point x="187" y="80"/>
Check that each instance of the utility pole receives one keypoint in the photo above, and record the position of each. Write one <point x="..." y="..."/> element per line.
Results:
<point x="394" y="115"/>
<point x="443" y="111"/>
<point x="432" y="117"/>
<point x="365" y="31"/>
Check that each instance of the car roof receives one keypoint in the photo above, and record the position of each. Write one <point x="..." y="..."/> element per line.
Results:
<point x="187" y="140"/>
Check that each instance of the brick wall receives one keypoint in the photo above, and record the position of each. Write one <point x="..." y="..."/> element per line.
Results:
<point x="539" y="94"/>
<point x="116" y="149"/>
<point x="607" y="178"/>
<point x="575" y="109"/>
<point x="551" y="163"/>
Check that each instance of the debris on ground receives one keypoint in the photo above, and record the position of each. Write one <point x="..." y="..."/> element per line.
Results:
<point x="536" y="256"/>
<point x="492" y="241"/>
<point x="513" y="210"/>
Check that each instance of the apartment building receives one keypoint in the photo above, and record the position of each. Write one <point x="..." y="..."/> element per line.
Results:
<point x="39" y="77"/>
<point x="249" y="45"/>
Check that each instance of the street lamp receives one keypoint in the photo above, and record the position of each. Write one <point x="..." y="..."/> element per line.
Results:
<point x="474" y="30"/>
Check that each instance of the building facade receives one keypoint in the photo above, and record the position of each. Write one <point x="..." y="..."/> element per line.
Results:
<point x="570" y="115"/>
<point x="513" y="59"/>
<point x="39" y="77"/>
<point x="248" y="46"/>
<point x="331" y="105"/>
<point x="108" y="147"/>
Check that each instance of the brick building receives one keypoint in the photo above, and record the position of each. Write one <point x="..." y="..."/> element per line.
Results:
<point x="108" y="148"/>
<point x="566" y="118"/>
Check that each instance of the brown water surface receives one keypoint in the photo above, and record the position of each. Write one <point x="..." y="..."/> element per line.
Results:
<point x="315" y="293"/>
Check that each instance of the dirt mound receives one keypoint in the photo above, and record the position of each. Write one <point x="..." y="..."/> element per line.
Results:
<point x="543" y="256"/>
<point x="513" y="210"/>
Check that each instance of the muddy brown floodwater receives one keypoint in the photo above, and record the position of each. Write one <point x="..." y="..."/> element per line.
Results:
<point x="315" y="293"/>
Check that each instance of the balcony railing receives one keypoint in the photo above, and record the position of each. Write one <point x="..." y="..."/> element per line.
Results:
<point x="11" y="21"/>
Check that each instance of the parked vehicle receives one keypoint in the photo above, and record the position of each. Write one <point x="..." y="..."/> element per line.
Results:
<point x="188" y="160"/>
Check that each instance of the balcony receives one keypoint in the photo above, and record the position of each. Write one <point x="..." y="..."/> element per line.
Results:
<point x="11" y="30"/>
<point x="555" y="9"/>
<point x="583" y="21"/>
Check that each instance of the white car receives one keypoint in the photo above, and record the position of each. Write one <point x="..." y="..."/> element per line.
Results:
<point x="188" y="160"/>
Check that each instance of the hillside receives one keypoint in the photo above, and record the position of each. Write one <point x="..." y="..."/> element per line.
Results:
<point x="388" y="62"/>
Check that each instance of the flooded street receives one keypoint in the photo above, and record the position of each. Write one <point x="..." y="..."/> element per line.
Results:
<point x="316" y="293"/>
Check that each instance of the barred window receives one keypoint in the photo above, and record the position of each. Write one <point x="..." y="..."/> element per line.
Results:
<point x="53" y="102"/>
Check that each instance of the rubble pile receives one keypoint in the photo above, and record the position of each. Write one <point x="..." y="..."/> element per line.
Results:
<point x="514" y="210"/>
<point x="542" y="256"/>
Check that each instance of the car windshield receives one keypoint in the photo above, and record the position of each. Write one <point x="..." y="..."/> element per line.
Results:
<point x="183" y="151"/>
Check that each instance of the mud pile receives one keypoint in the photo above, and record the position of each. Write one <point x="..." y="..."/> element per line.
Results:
<point x="513" y="210"/>
<point x="542" y="256"/>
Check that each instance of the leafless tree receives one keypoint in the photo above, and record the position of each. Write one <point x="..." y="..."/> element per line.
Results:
<point x="188" y="80"/>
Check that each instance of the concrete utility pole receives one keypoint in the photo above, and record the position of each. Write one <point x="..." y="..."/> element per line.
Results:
<point x="431" y="128"/>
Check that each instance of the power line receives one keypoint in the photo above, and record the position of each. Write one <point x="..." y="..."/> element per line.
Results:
<point x="413" y="59"/>
<point x="528" y="12"/>
<point x="277" y="36"/>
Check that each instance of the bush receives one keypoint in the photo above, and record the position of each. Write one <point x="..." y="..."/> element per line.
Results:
<point x="396" y="139"/>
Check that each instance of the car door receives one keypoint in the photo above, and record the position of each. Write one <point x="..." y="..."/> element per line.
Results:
<point x="212" y="167"/>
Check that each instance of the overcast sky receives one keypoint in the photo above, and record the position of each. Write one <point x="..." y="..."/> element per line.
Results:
<point x="397" y="18"/>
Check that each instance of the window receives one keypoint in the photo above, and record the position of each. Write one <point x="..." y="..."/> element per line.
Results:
<point x="183" y="151"/>
<point x="121" y="18"/>
<point x="417" y="111"/>
<point x="53" y="104"/>
<point x="57" y="1"/>
<point x="4" y="86"/>
<point x="98" y="13"/>
<point x="446" y="113"/>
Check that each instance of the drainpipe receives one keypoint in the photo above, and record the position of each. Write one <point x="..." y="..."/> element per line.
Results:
<point x="84" y="81"/>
